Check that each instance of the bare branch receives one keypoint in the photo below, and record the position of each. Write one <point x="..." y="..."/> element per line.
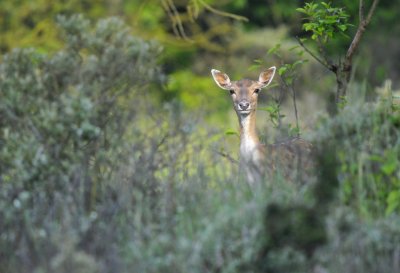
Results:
<point x="222" y="13"/>
<point x="324" y="54"/>
<point x="177" y="18"/>
<point x="289" y="88"/>
<point x="227" y="156"/>
<point x="324" y="63"/>
<point x="173" y="14"/>
<point x="371" y="11"/>
<point x="360" y="31"/>
<point x="361" y="11"/>
<point x="170" y="15"/>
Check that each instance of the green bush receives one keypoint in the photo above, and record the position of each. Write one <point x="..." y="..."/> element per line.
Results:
<point x="359" y="245"/>
<point x="340" y="225"/>
<point x="96" y="175"/>
<point x="368" y="149"/>
<point x="63" y="121"/>
<point x="94" y="178"/>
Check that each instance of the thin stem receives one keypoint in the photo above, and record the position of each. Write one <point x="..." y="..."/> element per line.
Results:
<point x="222" y="13"/>
<point x="361" y="11"/>
<point x="173" y="14"/>
<point x="360" y="31"/>
<point x="227" y="156"/>
<point x="294" y="100"/>
<point x="325" y="64"/>
<point x="324" y="54"/>
<point x="371" y="11"/>
<point x="295" y="110"/>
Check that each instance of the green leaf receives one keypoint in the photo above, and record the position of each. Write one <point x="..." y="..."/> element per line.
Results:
<point x="375" y="158"/>
<point x="301" y="10"/>
<point x="231" y="132"/>
<point x="282" y="70"/>
<point x="269" y="109"/>
<point x="390" y="165"/>
<point x="274" y="49"/>
<point x="254" y="67"/>
<point x="299" y="62"/>
<point x="393" y="202"/>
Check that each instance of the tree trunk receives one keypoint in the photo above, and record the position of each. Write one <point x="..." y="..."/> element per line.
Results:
<point x="343" y="72"/>
<point x="342" y="78"/>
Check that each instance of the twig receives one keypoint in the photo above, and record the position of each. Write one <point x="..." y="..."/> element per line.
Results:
<point x="295" y="111"/>
<point x="371" y="11"/>
<point x="361" y="11"/>
<point x="313" y="54"/>
<point x="222" y="13"/>
<point x="177" y="25"/>
<point x="293" y="95"/>
<point x="322" y="50"/>
<point x="360" y="31"/>
<point x="227" y="156"/>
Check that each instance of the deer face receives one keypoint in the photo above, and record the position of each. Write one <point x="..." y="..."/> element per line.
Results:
<point x="244" y="92"/>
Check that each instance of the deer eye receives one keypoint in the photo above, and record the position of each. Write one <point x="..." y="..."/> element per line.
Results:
<point x="256" y="91"/>
<point x="232" y="91"/>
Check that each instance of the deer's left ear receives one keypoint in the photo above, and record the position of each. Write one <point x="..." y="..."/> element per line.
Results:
<point x="266" y="76"/>
<point x="221" y="79"/>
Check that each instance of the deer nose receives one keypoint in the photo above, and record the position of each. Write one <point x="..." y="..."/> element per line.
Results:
<point x="243" y="105"/>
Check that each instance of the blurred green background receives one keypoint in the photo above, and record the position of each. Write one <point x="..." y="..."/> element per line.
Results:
<point x="118" y="153"/>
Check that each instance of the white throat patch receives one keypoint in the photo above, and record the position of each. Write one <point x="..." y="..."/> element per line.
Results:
<point x="248" y="145"/>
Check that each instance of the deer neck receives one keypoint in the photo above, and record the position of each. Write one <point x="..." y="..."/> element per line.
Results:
<point x="249" y="141"/>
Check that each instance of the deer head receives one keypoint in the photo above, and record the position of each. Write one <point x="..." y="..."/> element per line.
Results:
<point x="244" y="92"/>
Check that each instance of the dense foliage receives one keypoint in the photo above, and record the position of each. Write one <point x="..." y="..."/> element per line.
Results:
<point x="63" y="121"/>
<point x="117" y="155"/>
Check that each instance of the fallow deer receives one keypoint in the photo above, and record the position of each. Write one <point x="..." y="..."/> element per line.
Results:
<point x="255" y="157"/>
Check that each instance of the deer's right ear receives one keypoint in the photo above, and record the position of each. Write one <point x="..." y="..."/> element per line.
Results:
<point x="221" y="79"/>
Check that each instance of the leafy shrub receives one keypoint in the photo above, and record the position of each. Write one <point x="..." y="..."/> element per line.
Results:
<point x="63" y="122"/>
<point x="360" y="245"/>
<point x="93" y="179"/>
<point x="368" y="149"/>
<point x="97" y="176"/>
<point x="357" y="153"/>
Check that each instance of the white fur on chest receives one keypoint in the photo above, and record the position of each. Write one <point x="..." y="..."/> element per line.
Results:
<point x="248" y="148"/>
<point x="251" y="159"/>
<point x="249" y="142"/>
